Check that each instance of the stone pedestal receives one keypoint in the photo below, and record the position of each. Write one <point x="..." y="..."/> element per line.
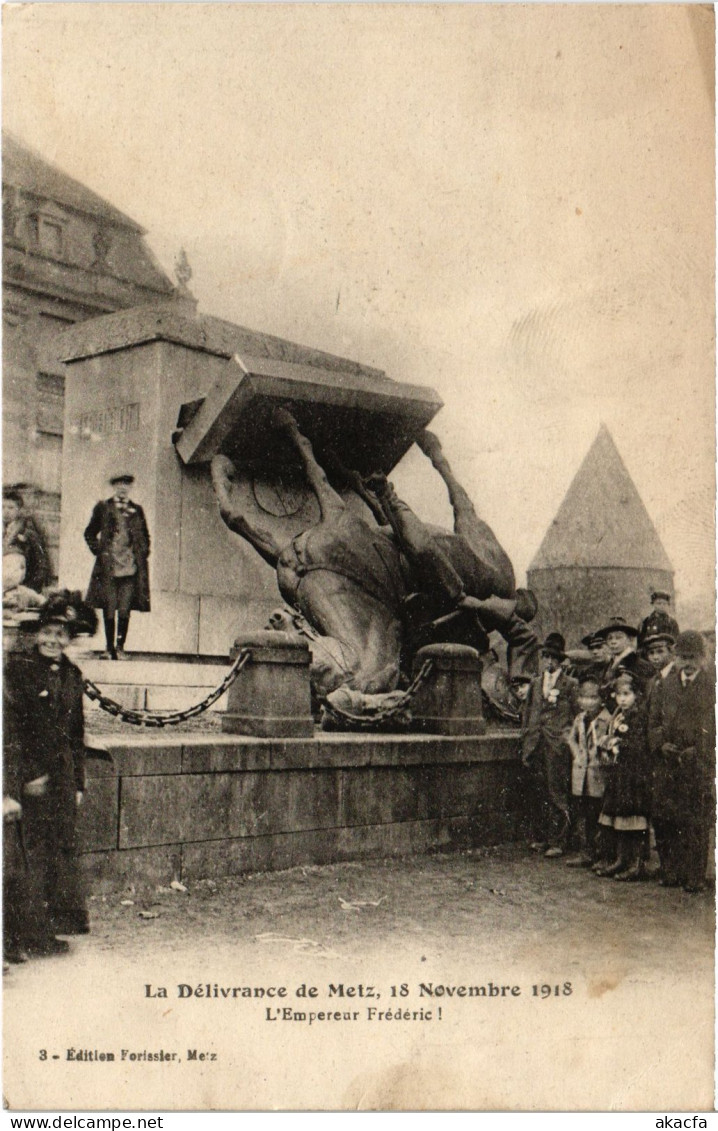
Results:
<point x="270" y="697"/>
<point x="186" y="806"/>
<point x="449" y="700"/>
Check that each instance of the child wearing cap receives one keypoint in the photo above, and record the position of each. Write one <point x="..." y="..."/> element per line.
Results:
<point x="626" y="801"/>
<point x="44" y="771"/>
<point x="659" y="619"/>
<point x="547" y="717"/>
<point x="589" y="728"/>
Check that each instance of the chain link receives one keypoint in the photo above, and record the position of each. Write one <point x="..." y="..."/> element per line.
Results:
<point x="142" y="718"/>
<point x="397" y="713"/>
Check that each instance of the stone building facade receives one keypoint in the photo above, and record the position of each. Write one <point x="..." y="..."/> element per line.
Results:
<point x="601" y="556"/>
<point x="68" y="255"/>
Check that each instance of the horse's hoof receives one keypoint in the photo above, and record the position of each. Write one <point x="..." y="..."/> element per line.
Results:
<point x="282" y="418"/>
<point x="376" y="482"/>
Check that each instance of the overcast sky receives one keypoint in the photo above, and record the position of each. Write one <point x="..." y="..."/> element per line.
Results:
<point x="513" y="204"/>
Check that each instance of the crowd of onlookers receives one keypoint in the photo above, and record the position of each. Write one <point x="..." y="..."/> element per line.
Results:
<point x="618" y="738"/>
<point x="618" y="735"/>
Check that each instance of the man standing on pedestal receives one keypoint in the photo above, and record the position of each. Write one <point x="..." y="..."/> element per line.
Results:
<point x="117" y="535"/>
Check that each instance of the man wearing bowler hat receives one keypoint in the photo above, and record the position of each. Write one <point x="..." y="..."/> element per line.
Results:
<point x="548" y="716"/>
<point x="117" y="535"/>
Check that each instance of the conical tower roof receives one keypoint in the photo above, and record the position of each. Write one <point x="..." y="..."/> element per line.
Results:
<point x="602" y="521"/>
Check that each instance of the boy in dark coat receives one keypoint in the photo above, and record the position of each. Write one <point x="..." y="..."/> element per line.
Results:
<point x="658" y="651"/>
<point x="681" y="736"/>
<point x="548" y="717"/>
<point x="45" y="768"/>
<point x="117" y="535"/>
<point x="659" y="619"/>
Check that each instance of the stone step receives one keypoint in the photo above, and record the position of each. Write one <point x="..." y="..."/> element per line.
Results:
<point x="154" y="684"/>
<point x="166" y="670"/>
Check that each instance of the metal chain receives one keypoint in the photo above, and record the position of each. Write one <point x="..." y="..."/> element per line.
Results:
<point x="143" y="718"/>
<point x="396" y="713"/>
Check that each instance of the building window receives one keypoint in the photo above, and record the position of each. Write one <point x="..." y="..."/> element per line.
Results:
<point x="50" y="404"/>
<point x="46" y="235"/>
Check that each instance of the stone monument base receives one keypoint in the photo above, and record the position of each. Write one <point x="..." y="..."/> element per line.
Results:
<point x="186" y="806"/>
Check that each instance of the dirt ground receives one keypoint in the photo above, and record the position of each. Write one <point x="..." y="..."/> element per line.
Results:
<point x="453" y="903"/>
<point x="633" y="1031"/>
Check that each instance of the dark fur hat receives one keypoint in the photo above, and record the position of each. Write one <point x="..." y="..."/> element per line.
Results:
<point x="66" y="607"/>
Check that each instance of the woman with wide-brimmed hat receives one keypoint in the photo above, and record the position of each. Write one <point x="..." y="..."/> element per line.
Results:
<point x="620" y="638"/>
<point x="44" y="751"/>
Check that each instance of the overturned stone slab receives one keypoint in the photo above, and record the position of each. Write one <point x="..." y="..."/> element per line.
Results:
<point x="370" y="420"/>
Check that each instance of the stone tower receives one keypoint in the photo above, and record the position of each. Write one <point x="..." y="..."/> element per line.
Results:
<point x="601" y="555"/>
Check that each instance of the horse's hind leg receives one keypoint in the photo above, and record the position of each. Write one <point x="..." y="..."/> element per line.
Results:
<point x="465" y="516"/>
<point x="330" y="503"/>
<point x="476" y="533"/>
<point x="433" y="571"/>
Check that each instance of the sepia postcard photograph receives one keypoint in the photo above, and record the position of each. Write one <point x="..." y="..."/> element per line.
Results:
<point x="358" y="557"/>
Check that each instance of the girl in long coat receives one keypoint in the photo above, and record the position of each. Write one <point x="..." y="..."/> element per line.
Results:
<point x="45" y="755"/>
<point x="626" y="801"/>
<point x="117" y="535"/>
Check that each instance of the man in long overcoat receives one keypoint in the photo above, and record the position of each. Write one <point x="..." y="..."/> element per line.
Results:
<point x="117" y="535"/>
<point x="681" y="739"/>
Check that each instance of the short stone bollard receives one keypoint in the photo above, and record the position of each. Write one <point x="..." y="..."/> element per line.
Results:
<point x="270" y="697"/>
<point x="449" y="699"/>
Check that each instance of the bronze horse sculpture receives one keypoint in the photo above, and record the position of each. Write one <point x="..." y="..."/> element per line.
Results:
<point x="369" y="590"/>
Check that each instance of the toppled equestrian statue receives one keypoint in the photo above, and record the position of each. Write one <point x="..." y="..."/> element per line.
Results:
<point x="374" y="586"/>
